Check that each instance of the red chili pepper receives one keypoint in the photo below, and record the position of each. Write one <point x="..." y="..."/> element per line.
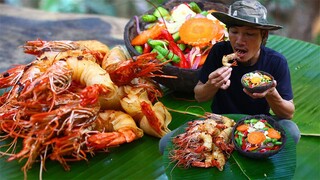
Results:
<point x="276" y="148"/>
<point x="147" y="48"/>
<point x="265" y="149"/>
<point x="244" y="146"/>
<point x="187" y="50"/>
<point x="245" y="133"/>
<point x="263" y="120"/>
<point x="175" y="48"/>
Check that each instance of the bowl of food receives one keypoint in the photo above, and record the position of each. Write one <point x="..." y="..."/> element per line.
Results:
<point x="257" y="81"/>
<point x="258" y="136"/>
<point x="167" y="31"/>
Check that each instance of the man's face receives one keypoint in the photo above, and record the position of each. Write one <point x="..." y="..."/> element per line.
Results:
<point x="246" y="42"/>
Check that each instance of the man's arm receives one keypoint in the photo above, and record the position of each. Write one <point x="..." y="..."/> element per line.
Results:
<point x="216" y="80"/>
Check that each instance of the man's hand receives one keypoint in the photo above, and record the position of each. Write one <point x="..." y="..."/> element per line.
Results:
<point x="220" y="78"/>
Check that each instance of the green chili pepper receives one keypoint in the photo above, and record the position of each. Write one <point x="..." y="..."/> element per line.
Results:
<point x="266" y="123"/>
<point x="205" y="13"/>
<point x="240" y="140"/>
<point x="168" y="54"/>
<point x="253" y="120"/>
<point x="240" y="134"/>
<point x="154" y="43"/>
<point x="160" y="12"/>
<point x="278" y="143"/>
<point x="159" y="56"/>
<point x="265" y="129"/>
<point x="148" y="18"/>
<point x="138" y="49"/>
<point x="182" y="46"/>
<point x="268" y="140"/>
<point x="194" y="6"/>
<point x="176" y="36"/>
<point x="237" y="141"/>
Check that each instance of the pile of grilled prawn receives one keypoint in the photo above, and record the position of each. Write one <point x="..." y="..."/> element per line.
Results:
<point x="205" y="143"/>
<point x="77" y="97"/>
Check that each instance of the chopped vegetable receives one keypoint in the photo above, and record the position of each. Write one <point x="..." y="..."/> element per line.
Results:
<point x="149" y="18"/>
<point x="272" y="133"/>
<point x="257" y="135"/>
<point x="175" y="49"/>
<point x="159" y="56"/>
<point x="146" y="48"/>
<point x="210" y="32"/>
<point x="243" y="127"/>
<point x="167" y="54"/>
<point x="138" y="49"/>
<point x="151" y="33"/>
<point x="194" y="6"/>
<point x="154" y="43"/>
<point x="254" y="79"/>
<point x="200" y="31"/>
<point x="160" y="12"/>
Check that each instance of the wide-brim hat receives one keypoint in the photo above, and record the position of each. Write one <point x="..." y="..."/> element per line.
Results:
<point x="246" y="13"/>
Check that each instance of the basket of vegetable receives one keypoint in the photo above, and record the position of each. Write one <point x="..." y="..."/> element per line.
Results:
<point x="257" y="81"/>
<point x="258" y="136"/>
<point x="181" y="33"/>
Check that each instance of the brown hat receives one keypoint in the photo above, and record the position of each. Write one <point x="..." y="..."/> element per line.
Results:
<point x="246" y="13"/>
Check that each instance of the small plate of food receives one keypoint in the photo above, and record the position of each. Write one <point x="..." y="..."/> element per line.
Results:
<point x="257" y="81"/>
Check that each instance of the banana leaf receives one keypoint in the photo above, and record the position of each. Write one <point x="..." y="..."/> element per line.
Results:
<point x="141" y="159"/>
<point x="304" y="63"/>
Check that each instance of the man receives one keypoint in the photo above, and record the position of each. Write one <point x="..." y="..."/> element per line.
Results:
<point x="248" y="31"/>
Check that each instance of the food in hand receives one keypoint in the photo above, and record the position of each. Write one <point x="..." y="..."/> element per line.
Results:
<point x="230" y="60"/>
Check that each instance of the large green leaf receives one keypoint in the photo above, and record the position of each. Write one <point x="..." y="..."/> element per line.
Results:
<point x="304" y="63"/>
<point x="141" y="159"/>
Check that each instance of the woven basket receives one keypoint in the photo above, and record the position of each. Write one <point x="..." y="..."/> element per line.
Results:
<point x="186" y="78"/>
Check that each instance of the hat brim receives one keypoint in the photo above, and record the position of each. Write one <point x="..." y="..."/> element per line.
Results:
<point x="232" y="21"/>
